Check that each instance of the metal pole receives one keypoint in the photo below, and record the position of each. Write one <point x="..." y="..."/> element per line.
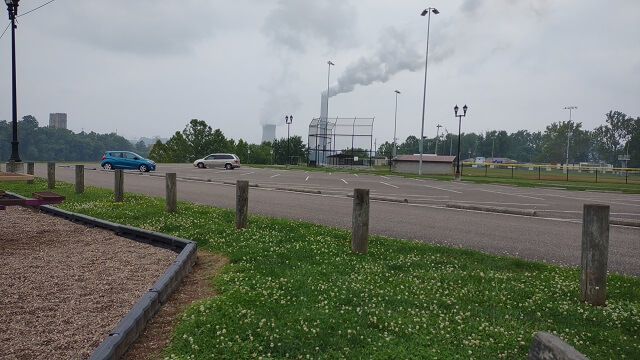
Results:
<point x="458" y="162"/>
<point x="395" y="122"/>
<point x="437" y="137"/>
<point x="424" y="96"/>
<point x="15" y="156"/>
<point x="288" y="146"/>
<point x="326" y="122"/>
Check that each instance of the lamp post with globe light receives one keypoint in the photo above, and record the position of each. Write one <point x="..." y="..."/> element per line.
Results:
<point x="455" y="110"/>
<point x="12" y="7"/>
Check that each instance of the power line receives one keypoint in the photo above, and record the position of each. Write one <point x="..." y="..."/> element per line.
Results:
<point x="23" y="14"/>
<point x="32" y="10"/>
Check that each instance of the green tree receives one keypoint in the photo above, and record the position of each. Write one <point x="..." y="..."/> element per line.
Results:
<point x="611" y="137"/>
<point x="556" y="138"/>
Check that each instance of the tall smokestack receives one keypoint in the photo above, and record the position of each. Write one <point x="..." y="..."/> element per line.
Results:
<point x="268" y="133"/>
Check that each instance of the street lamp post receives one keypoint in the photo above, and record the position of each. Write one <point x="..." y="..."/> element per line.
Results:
<point x="424" y="96"/>
<point x="455" y="110"/>
<point x="288" y="120"/>
<point x="568" y="136"/>
<point x="395" y="122"/>
<point x="326" y="120"/>
<point x="437" y="137"/>
<point x="12" y="7"/>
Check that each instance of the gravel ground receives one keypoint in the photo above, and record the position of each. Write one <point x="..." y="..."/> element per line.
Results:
<point x="64" y="286"/>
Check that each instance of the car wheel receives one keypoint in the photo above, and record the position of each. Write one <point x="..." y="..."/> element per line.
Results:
<point x="107" y="166"/>
<point x="143" y="168"/>
<point x="228" y="167"/>
<point x="201" y="165"/>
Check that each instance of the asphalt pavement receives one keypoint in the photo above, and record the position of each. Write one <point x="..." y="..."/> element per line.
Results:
<point x="412" y="209"/>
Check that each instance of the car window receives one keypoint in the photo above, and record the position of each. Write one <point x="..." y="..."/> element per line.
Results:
<point x="229" y="157"/>
<point x="210" y="157"/>
<point x="217" y="157"/>
<point x="129" y="155"/>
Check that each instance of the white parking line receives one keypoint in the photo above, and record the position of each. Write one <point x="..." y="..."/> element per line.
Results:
<point x="381" y="182"/>
<point x="275" y="175"/>
<point x="356" y="175"/>
<point x="249" y="173"/>
<point x="382" y="176"/>
<point x="443" y="189"/>
<point x="306" y="178"/>
<point x="344" y="181"/>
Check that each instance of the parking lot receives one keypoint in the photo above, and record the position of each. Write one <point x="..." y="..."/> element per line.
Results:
<point x="553" y="236"/>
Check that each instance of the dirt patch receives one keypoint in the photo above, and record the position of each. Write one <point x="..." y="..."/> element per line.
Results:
<point x="196" y="286"/>
<point x="65" y="286"/>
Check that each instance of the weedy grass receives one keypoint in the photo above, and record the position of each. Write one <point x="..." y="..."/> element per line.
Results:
<point x="294" y="290"/>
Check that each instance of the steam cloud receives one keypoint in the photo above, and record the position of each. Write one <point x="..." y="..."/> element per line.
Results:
<point x="395" y="53"/>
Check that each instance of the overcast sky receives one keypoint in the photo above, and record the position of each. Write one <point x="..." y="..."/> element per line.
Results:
<point x="146" y="67"/>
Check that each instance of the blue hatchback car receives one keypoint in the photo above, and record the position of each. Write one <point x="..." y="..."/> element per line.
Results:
<point x="126" y="160"/>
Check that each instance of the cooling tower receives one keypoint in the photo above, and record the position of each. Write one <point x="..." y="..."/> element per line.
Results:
<point x="268" y="133"/>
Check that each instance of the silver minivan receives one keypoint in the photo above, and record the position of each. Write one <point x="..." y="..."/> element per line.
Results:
<point x="229" y="161"/>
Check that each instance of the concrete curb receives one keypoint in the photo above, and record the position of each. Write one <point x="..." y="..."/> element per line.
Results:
<point x="133" y="323"/>
<point x="234" y="183"/>
<point x="384" y="198"/>
<point x="306" y="191"/>
<point x="494" y="209"/>
<point x="625" y="222"/>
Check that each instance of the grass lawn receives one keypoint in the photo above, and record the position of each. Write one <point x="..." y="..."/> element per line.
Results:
<point x="293" y="289"/>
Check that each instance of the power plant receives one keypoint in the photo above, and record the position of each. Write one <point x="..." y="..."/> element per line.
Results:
<point x="268" y="132"/>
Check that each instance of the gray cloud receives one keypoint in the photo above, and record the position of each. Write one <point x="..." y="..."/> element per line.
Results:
<point x="294" y="23"/>
<point x="395" y="53"/>
<point x="146" y="27"/>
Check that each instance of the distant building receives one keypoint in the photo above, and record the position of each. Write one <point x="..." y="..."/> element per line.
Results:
<point x="58" y="120"/>
<point x="431" y="164"/>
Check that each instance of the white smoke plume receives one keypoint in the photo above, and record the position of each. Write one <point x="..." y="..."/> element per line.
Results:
<point x="394" y="54"/>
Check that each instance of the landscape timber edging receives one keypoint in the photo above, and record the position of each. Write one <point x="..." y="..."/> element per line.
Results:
<point x="133" y="323"/>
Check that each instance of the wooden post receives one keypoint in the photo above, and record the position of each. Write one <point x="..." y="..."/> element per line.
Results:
<point x="360" y="221"/>
<point x="30" y="171"/>
<point x="51" y="175"/>
<point x="242" y="203"/>
<point x="172" y="193"/>
<point x="595" y="253"/>
<point x="118" y="189"/>
<point x="79" y="179"/>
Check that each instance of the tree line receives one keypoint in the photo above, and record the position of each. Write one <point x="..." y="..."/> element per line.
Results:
<point x="620" y="135"/>
<point x="51" y="144"/>
<point x="198" y="139"/>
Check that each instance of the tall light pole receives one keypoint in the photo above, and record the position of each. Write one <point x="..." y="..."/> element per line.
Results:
<point x="395" y="122"/>
<point x="437" y="137"/>
<point x="326" y="121"/>
<point x="12" y="7"/>
<point x="455" y="110"/>
<point x="424" y="96"/>
<point x="288" y="120"/>
<point x="569" y="135"/>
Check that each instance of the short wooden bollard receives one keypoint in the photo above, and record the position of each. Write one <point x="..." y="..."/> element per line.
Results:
<point x="51" y="175"/>
<point x="118" y="187"/>
<point x="360" y="223"/>
<point x="79" y="179"/>
<point x="242" y="203"/>
<point x="30" y="171"/>
<point x="172" y="193"/>
<point x="595" y="253"/>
